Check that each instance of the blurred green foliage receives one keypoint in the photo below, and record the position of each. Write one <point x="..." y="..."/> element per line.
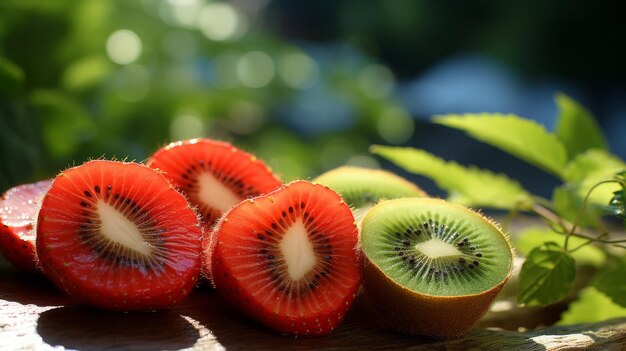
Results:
<point x="83" y="79"/>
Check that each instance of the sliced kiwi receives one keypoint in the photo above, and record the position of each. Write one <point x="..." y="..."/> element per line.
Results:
<point x="362" y="188"/>
<point x="434" y="268"/>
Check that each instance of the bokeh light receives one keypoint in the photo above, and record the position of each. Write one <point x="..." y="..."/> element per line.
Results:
<point x="298" y="70"/>
<point x="123" y="46"/>
<point x="255" y="69"/>
<point x="395" y="125"/>
<point x="181" y="13"/>
<point x="187" y="125"/>
<point x="220" y="21"/>
<point x="376" y="81"/>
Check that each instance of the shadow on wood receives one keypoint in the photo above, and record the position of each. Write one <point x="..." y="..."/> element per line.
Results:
<point x="89" y="329"/>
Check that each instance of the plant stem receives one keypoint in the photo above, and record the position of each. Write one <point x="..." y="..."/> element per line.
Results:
<point x="582" y="210"/>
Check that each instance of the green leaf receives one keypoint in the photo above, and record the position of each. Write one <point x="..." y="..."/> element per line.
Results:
<point x="523" y="138"/>
<point x="533" y="237"/>
<point x="581" y="174"/>
<point x="591" y="306"/>
<point x="612" y="282"/>
<point x="11" y="76"/>
<point x="593" y="164"/>
<point x="547" y="275"/>
<point x="469" y="186"/>
<point x="577" y="128"/>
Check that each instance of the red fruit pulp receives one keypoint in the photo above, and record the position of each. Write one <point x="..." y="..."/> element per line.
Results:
<point x="18" y="207"/>
<point x="289" y="258"/>
<point x="118" y="236"/>
<point x="214" y="175"/>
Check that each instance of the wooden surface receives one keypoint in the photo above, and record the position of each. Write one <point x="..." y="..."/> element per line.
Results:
<point x="35" y="316"/>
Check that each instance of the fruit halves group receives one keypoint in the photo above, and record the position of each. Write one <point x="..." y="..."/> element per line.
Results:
<point x="214" y="175"/>
<point x="118" y="236"/>
<point x="432" y="268"/>
<point x="289" y="258"/>
<point x="18" y="209"/>
<point x="121" y="236"/>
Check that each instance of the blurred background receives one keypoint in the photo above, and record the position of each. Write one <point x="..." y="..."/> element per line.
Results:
<point x="305" y="85"/>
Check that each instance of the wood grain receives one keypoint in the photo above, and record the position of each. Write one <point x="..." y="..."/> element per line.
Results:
<point x="35" y="316"/>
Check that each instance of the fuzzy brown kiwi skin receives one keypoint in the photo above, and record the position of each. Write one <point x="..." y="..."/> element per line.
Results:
<point x="437" y="317"/>
<point x="431" y="316"/>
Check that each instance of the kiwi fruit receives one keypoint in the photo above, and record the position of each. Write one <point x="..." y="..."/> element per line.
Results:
<point x="432" y="268"/>
<point x="362" y="188"/>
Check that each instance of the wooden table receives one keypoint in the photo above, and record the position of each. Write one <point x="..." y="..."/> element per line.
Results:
<point x="36" y="316"/>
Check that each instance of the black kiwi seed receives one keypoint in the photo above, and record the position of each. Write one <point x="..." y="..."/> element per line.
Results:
<point x="478" y="254"/>
<point x="261" y="236"/>
<point x="405" y="242"/>
<point x="462" y="260"/>
<point x="97" y="189"/>
<point x="290" y="209"/>
<point x="87" y="193"/>
<point x="475" y="263"/>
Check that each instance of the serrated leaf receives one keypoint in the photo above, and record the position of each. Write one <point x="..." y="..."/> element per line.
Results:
<point x="581" y="174"/>
<point x="612" y="282"/>
<point x="591" y="306"/>
<point x="470" y="186"/>
<point x="577" y="128"/>
<point x="594" y="164"/>
<point x="547" y="275"/>
<point x="521" y="137"/>
<point x="532" y="237"/>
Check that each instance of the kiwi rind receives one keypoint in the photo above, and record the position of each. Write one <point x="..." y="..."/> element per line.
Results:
<point x="416" y="313"/>
<point x="362" y="188"/>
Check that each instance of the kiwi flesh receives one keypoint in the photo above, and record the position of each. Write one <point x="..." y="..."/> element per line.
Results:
<point x="362" y="188"/>
<point x="432" y="268"/>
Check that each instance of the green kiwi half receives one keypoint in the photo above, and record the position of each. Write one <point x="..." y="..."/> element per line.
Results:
<point x="362" y="188"/>
<point x="433" y="268"/>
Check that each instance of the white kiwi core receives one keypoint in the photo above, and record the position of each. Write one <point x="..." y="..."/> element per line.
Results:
<point x="297" y="250"/>
<point x="435" y="248"/>
<point x="215" y="194"/>
<point x="120" y="230"/>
